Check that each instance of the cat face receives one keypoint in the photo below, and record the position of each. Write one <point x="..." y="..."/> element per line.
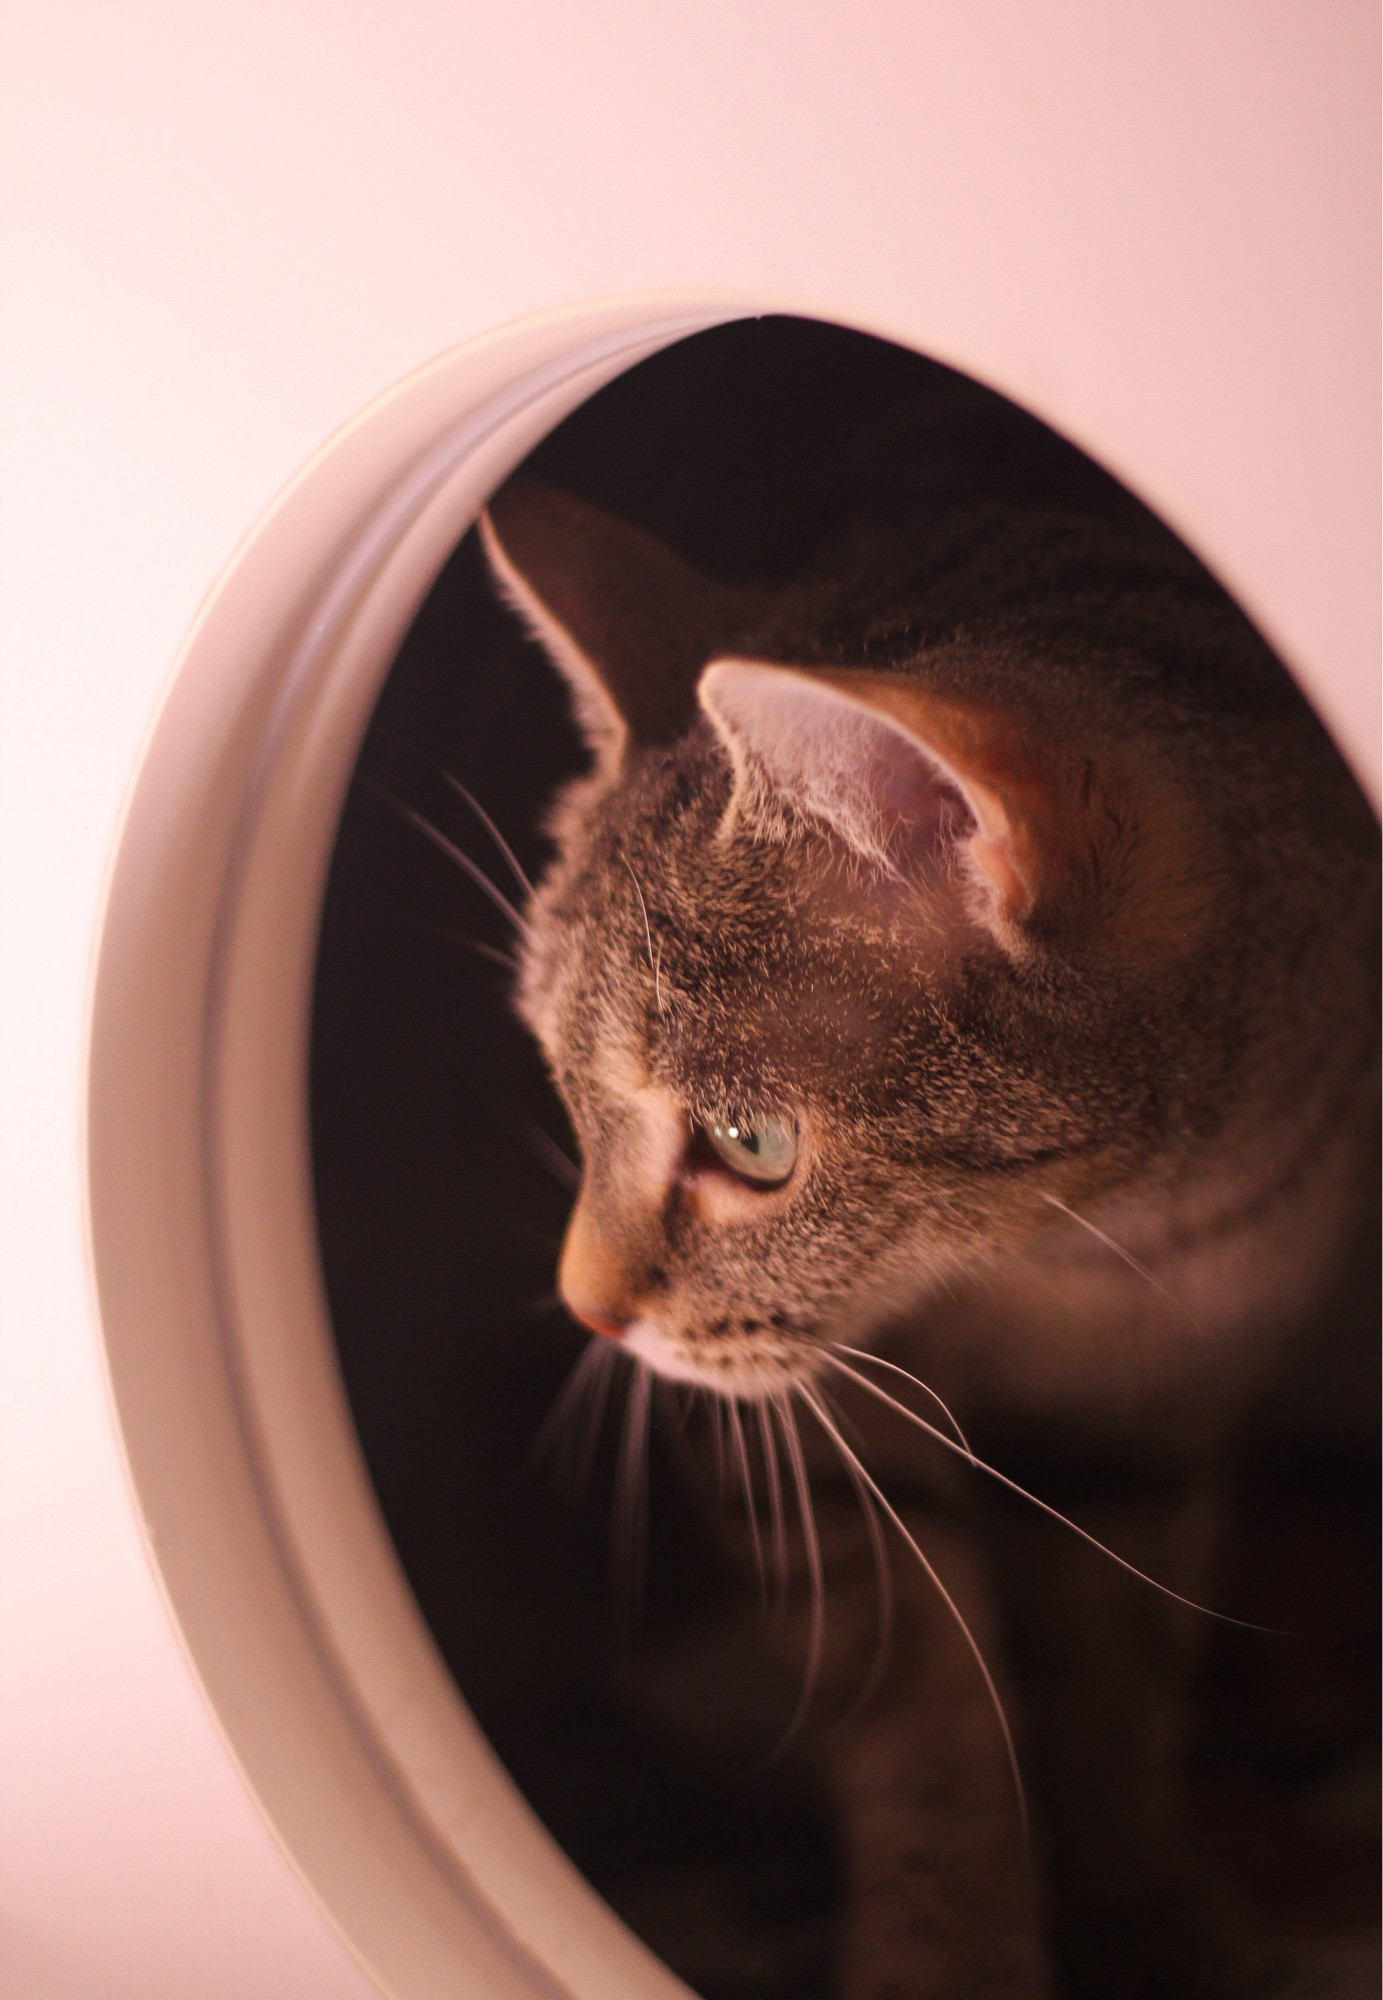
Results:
<point x="783" y="972"/>
<point x="783" y="1112"/>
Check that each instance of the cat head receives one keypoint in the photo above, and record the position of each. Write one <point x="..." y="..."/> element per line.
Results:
<point x="817" y="962"/>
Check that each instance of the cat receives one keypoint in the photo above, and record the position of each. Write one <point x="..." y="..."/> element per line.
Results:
<point x="959" y="961"/>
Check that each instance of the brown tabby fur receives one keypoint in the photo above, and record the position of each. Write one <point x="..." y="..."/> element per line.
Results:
<point x="1096" y="940"/>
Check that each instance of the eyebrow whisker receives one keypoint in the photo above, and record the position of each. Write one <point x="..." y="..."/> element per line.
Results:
<point x="654" y="962"/>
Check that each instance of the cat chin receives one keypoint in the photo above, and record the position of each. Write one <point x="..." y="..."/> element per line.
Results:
<point x="744" y="1377"/>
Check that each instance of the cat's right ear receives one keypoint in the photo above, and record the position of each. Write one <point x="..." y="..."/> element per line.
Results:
<point x="625" y="621"/>
<point x="1054" y="833"/>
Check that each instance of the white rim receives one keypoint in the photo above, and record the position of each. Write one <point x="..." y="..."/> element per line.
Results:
<point x="258" y="1509"/>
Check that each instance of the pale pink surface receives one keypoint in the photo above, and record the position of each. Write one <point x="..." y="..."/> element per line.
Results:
<point x="229" y="227"/>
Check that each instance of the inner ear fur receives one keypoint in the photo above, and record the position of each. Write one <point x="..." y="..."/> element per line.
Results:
<point x="1060" y="835"/>
<point x="626" y="622"/>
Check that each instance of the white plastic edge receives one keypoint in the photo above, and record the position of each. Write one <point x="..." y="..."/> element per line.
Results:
<point x="257" y="1507"/>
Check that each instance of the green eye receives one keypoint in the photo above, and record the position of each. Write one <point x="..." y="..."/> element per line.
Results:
<point x="761" y="1149"/>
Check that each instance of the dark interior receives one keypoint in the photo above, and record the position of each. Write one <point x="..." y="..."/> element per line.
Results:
<point x="594" y="1656"/>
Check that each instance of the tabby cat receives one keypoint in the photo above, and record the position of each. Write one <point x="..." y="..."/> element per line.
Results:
<point x="959" y="962"/>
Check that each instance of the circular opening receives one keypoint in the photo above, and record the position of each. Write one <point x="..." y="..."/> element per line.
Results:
<point x="423" y="1168"/>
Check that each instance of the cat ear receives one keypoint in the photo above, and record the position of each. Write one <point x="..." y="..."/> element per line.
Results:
<point x="902" y="775"/>
<point x="626" y="622"/>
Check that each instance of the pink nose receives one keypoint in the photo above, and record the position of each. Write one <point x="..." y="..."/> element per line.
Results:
<point x="613" y="1329"/>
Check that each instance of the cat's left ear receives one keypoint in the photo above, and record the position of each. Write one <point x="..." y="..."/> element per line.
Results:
<point x="625" y="621"/>
<point x="902" y="774"/>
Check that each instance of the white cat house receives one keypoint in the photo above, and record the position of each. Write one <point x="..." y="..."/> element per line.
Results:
<point x="234" y="1762"/>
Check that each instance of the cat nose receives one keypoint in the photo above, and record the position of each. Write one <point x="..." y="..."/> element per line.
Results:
<point x="613" y="1329"/>
<point x="591" y="1278"/>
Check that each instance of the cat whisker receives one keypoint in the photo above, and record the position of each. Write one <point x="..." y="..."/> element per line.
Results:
<point x="466" y="865"/>
<point x="629" y="1540"/>
<point x="493" y="953"/>
<point x="850" y="1427"/>
<point x="816" y="1628"/>
<point x="546" y="1150"/>
<point x="498" y="838"/>
<point x="777" y="1516"/>
<point x="654" y="960"/>
<point x="677" y="1401"/>
<point x="577" y="1382"/>
<point x="584" y="1464"/>
<point x="883" y="1571"/>
<point x="863" y="1354"/>
<point x="741" y="1446"/>
<point x="822" y="1416"/>
<point x="589" y="1379"/>
<point x="992" y="1472"/>
<point x="716" y="1408"/>
<point x="1127" y="1257"/>
<point x="421" y="926"/>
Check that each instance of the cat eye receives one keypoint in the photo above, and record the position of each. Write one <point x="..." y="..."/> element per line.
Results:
<point x="762" y="1149"/>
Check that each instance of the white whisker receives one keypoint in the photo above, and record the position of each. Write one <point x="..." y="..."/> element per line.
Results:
<point x="863" y="1354"/>
<point x="491" y="952"/>
<point x="603" y="1376"/>
<point x="992" y="1472"/>
<point x="654" y="961"/>
<point x="1127" y="1257"/>
<point x="792" y="1444"/>
<point x="546" y="1150"/>
<point x="777" y="1517"/>
<point x="498" y="838"/>
<point x="586" y="1380"/>
<point x="883" y="1571"/>
<point x="814" y="1405"/>
<point x="716" y="1409"/>
<point x="675" y="1403"/>
<point x="478" y="945"/>
<point x="468" y="867"/>
<point x="741" y="1446"/>
<point x="629" y="1548"/>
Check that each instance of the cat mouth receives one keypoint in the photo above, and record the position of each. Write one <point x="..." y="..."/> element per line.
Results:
<point x="754" y="1368"/>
